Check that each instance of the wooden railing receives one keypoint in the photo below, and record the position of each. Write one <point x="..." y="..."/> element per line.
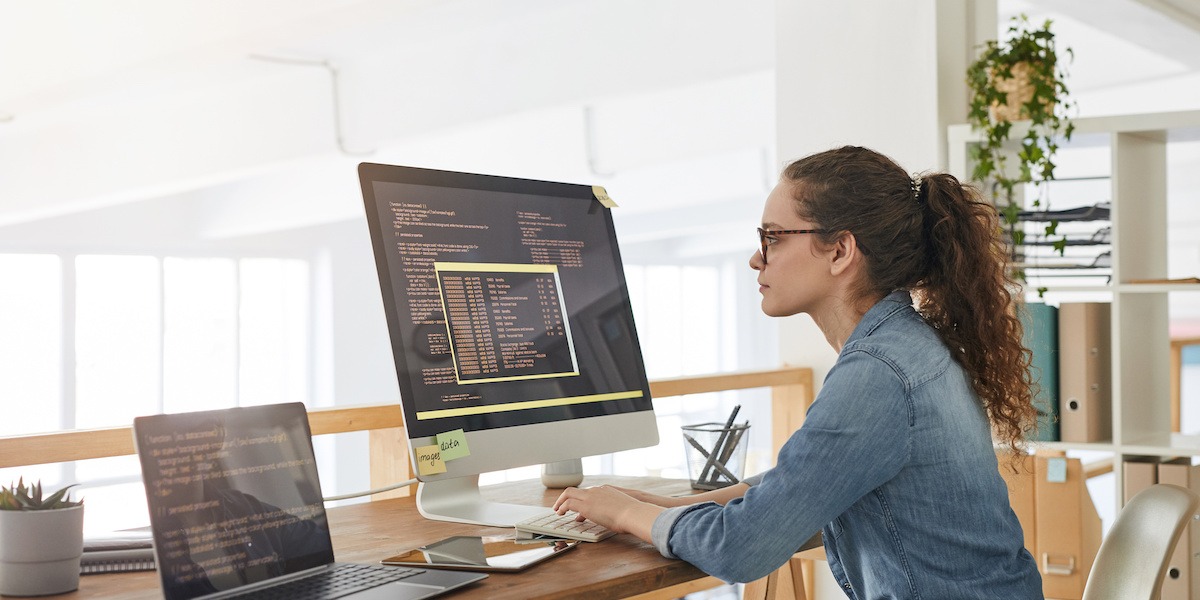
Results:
<point x="791" y="393"/>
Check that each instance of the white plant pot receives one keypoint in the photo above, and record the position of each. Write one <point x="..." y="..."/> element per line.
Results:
<point x="40" y="551"/>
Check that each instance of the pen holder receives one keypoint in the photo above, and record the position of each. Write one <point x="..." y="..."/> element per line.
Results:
<point x="716" y="454"/>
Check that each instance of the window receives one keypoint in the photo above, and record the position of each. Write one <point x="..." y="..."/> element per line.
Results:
<point x="95" y="340"/>
<point x="31" y="350"/>
<point x="117" y="341"/>
<point x="685" y="316"/>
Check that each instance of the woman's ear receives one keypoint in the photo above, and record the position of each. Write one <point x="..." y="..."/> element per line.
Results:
<point x="844" y="254"/>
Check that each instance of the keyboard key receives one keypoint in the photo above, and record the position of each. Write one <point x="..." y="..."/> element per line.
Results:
<point x="344" y="579"/>
<point x="564" y="526"/>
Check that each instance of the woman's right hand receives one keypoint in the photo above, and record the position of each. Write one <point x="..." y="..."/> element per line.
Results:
<point x="655" y="499"/>
<point x="721" y="496"/>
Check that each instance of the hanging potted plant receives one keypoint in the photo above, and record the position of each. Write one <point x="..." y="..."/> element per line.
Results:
<point x="1021" y="79"/>
<point x="41" y="541"/>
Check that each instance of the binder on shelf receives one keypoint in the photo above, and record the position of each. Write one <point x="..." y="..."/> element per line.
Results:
<point x="1085" y="371"/>
<point x="1182" y="581"/>
<point x="1039" y="322"/>
<point x="1140" y="473"/>
<point x="1068" y="534"/>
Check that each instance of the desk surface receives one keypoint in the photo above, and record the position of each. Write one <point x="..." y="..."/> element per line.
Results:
<point x="615" y="568"/>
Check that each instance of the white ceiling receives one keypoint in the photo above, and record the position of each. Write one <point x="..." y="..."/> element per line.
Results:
<point x="224" y="109"/>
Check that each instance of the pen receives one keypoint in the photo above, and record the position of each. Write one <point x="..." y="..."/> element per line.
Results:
<point x="719" y="467"/>
<point x="735" y="437"/>
<point x="712" y="458"/>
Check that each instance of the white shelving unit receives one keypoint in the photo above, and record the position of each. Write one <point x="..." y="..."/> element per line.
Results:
<point x="1137" y="145"/>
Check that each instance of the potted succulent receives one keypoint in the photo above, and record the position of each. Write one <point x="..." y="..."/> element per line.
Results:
<point x="41" y="540"/>
<point x="1020" y="79"/>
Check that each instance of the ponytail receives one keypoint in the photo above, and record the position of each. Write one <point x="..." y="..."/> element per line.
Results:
<point x="967" y="296"/>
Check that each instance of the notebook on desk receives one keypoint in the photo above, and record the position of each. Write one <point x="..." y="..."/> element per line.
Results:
<point x="235" y="509"/>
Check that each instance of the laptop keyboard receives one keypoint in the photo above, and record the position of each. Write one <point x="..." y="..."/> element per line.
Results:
<point x="344" y="579"/>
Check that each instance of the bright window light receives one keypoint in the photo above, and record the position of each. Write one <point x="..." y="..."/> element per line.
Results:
<point x="117" y="342"/>
<point x="200" y="353"/>
<point x="31" y="343"/>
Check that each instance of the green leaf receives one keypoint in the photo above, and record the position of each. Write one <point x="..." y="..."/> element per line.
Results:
<point x="1060" y="246"/>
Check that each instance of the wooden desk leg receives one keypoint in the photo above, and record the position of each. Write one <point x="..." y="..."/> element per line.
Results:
<point x="680" y="590"/>
<point x="805" y="567"/>
<point x="792" y="581"/>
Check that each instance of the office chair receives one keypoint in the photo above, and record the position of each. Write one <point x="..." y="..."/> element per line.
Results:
<point x="1134" y="555"/>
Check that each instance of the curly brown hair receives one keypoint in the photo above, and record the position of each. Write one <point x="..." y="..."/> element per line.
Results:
<point x="937" y="238"/>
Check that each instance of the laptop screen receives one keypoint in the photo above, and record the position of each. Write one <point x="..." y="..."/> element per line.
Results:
<point x="233" y="495"/>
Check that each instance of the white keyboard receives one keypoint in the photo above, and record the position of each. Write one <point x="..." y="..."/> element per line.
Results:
<point x="564" y="526"/>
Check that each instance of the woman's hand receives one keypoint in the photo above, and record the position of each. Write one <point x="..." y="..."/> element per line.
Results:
<point x="611" y="507"/>
<point x="721" y="496"/>
<point x="655" y="499"/>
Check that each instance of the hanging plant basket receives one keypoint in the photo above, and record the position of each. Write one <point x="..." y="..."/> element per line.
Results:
<point x="1019" y="80"/>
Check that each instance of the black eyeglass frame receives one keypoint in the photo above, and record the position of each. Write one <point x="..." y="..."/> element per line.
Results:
<point x="763" y="234"/>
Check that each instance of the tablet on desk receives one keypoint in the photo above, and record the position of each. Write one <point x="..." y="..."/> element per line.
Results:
<point x="491" y="553"/>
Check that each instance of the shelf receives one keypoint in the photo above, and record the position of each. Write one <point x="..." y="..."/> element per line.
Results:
<point x="1131" y="183"/>
<point x="1065" y="446"/>
<point x="1124" y="288"/>
<point x="1156" y="288"/>
<point x="1167" y="444"/>
<point x="1181" y="126"/>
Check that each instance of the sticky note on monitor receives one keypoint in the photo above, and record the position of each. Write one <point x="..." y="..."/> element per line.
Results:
<point x="429" y="460"/>
<point x="602" y="195"/>
<point x="453" y="444"/>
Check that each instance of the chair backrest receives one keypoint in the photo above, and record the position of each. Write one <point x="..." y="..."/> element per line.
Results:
<point x="1133" y="557"/>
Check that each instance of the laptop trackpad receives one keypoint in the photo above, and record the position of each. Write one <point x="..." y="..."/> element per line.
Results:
<point x="399" y="590"/>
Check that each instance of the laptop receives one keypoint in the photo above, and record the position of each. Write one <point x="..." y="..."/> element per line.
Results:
<point x="235" y="509"/>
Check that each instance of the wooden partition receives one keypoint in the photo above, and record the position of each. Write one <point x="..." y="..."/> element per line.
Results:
<point x="792" y="390"/>
<point x="791" y="394"/>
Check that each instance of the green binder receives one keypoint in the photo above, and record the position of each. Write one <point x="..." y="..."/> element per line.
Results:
<point x="1040" y="323"/>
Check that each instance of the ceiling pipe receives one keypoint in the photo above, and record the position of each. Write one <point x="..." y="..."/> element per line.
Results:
<point x="337" y="103"/>
<point x="589" y="140"/>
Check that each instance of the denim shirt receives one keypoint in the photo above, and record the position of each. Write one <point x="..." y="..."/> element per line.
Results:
<point x="894" y="464"/>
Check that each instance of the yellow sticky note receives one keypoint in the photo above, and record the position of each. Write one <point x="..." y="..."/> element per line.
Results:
<point x="453" y="444"/>
<point x="429" y="460"/>
<point x="602" y="195"/>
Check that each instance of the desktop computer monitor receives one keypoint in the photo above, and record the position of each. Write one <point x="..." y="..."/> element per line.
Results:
<point x="510" y="321"/>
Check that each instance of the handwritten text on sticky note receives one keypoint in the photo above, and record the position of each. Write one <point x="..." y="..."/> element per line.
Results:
<point x="453" y="444"/>
<point x="429" y="460"/>
<point x="602" y="195"/>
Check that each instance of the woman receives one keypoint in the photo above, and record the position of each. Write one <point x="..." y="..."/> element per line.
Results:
<point x="895" y="461"/>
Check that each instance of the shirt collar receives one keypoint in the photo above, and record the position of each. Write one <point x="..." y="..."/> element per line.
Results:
<point x="888" y="306"/>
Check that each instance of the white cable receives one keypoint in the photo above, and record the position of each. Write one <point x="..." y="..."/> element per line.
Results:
<point x="374" y="491"/>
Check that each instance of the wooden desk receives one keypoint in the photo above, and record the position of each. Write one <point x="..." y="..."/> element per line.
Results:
<point x="618" y="567"/>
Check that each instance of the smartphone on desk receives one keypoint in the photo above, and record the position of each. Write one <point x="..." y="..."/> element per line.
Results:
<point x="488" y="553"/>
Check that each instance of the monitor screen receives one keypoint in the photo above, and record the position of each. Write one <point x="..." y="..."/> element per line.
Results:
<point x="509" y="318"/>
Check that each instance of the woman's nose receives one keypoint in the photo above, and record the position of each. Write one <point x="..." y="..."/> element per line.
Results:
<point x="756" y="260"/>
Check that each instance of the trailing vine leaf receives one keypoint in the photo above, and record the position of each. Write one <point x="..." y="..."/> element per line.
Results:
<point x="1029" y="55"/>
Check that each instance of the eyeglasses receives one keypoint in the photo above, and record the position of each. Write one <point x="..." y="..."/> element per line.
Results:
<point x="766" y="237"/>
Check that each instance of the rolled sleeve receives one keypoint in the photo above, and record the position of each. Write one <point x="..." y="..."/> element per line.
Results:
<point x="660" y="532"/>
<point x="855" y="438"/>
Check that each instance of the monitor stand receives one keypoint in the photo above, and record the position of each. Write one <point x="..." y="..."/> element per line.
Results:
<point x="458" y="500"/>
